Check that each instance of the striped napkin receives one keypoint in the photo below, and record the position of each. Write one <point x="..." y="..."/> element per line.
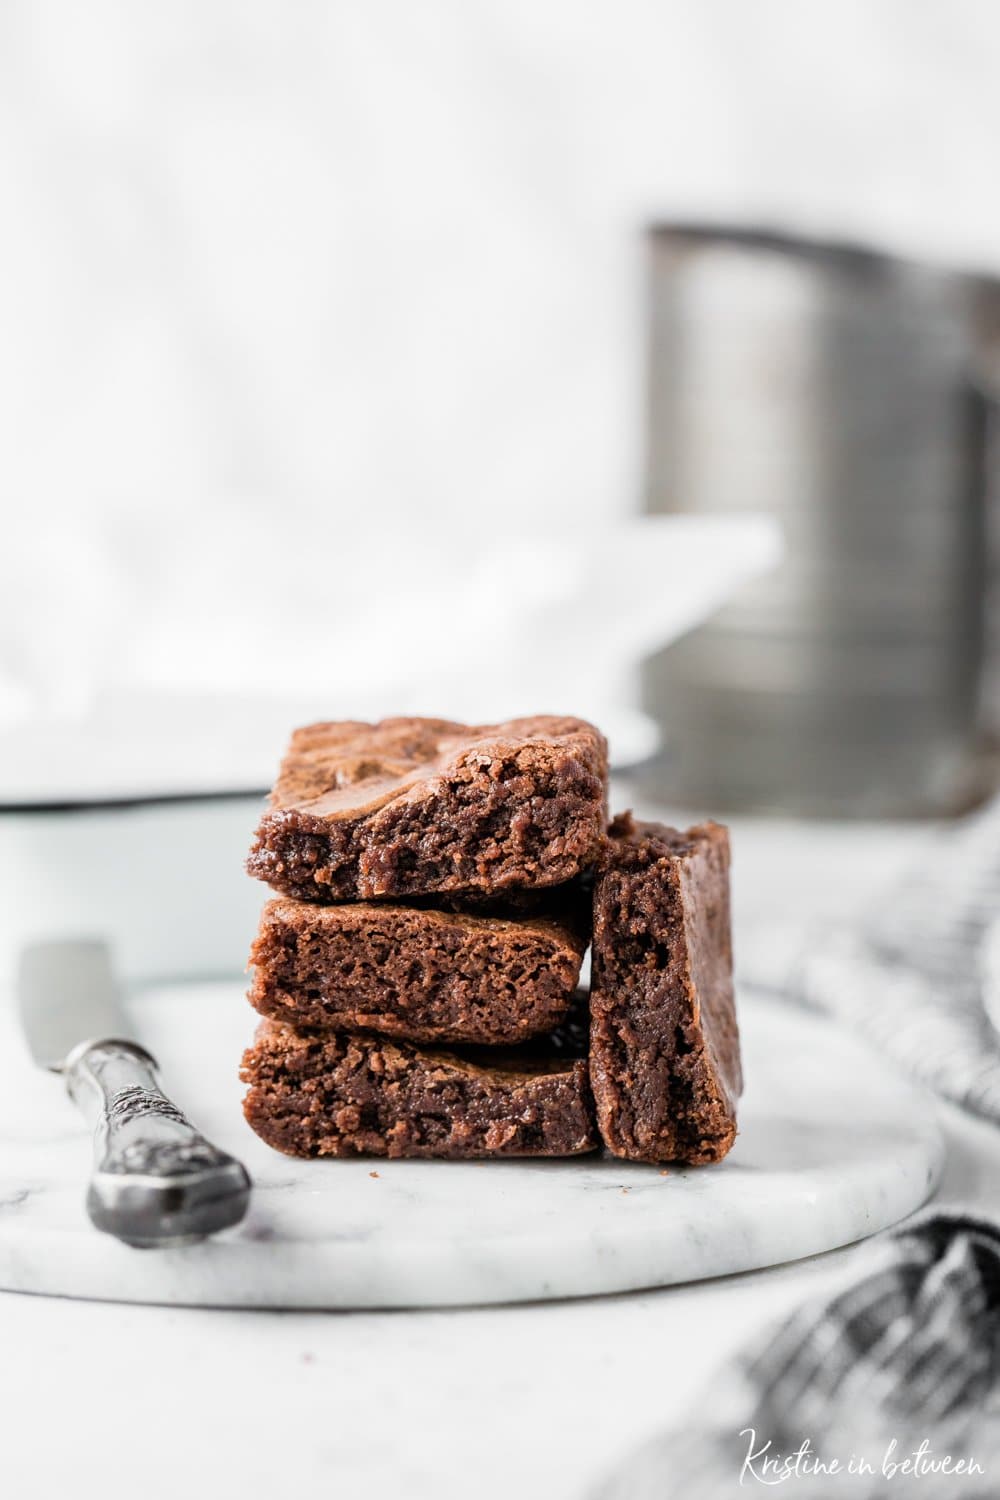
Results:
<point x="920" y="979"/>
<point x="890" y="1388"/>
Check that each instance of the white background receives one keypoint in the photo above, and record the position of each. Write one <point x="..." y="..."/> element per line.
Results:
<point x="272" y="274"/>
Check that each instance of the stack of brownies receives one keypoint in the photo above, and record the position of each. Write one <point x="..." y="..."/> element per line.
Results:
<point x="418" y="972"/>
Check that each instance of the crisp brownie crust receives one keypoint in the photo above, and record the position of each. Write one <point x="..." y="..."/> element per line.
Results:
<point x="664" y="1045"/>
<point x="352" y="1094"/>
<point x="420" y="974"/>
<point x="412" y="807"/>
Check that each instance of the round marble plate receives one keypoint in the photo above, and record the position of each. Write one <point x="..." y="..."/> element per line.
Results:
<point x="832" y="1147"/>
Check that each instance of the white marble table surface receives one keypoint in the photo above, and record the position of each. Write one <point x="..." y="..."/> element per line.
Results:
<point x="830" y="1149"/>
<point x="414" y="1403"/>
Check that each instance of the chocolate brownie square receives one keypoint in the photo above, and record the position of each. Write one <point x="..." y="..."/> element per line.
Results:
<point x="413" y="972"/>
<point x="353" y="1094"/>
<point x="411" y="807"/>
<point x="664" y="1045"/>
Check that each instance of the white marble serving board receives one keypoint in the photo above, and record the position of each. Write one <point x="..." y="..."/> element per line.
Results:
<point x="832" y="1147"/>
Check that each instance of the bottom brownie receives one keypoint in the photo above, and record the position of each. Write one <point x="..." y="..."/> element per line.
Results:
<point x="340" y="1094"/>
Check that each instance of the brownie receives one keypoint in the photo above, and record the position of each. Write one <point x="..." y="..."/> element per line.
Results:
<point x="412" y="807"/>
<point x="351" y="1094"/>
<point x="664" y="1045"/>
<point x="416" y="973"/>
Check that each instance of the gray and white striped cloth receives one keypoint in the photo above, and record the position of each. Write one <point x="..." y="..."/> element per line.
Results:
<point x="889" y="1388"/>
<point x="920" y="979"/>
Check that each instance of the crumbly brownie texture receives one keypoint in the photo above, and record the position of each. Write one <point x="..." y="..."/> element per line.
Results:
<point x="418" y="806"/>
<point x="426" y="976"/>
<point x="343" y="1094"/>
<point x="664" y="1045"/>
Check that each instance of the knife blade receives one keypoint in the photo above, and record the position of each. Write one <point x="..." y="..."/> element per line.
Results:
<point x="157" y="1182"/>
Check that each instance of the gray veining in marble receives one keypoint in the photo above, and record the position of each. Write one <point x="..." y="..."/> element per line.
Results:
<point x="832" y="1147"/>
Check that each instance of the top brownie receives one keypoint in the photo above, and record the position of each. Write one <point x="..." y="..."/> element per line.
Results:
<point x="412" y="807"/>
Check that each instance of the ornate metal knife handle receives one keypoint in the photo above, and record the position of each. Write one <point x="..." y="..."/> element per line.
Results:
<point x="157" y="1182"/>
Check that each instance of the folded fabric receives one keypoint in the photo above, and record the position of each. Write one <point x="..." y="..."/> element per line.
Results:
<point x="889" y="1388"/>
<point x="917" y="981"/>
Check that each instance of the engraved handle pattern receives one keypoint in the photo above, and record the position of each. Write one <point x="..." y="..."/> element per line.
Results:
<point x="157" y="1181"/>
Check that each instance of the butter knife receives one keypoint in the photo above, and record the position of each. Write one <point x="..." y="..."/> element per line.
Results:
<point x="157" y="1182"/>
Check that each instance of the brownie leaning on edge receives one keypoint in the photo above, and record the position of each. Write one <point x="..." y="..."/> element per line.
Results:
<point x="411" y="972"/>
<point x="353" y="1094"/>
<point x="411" y="807"/>
<point x="664" y="1044"/>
